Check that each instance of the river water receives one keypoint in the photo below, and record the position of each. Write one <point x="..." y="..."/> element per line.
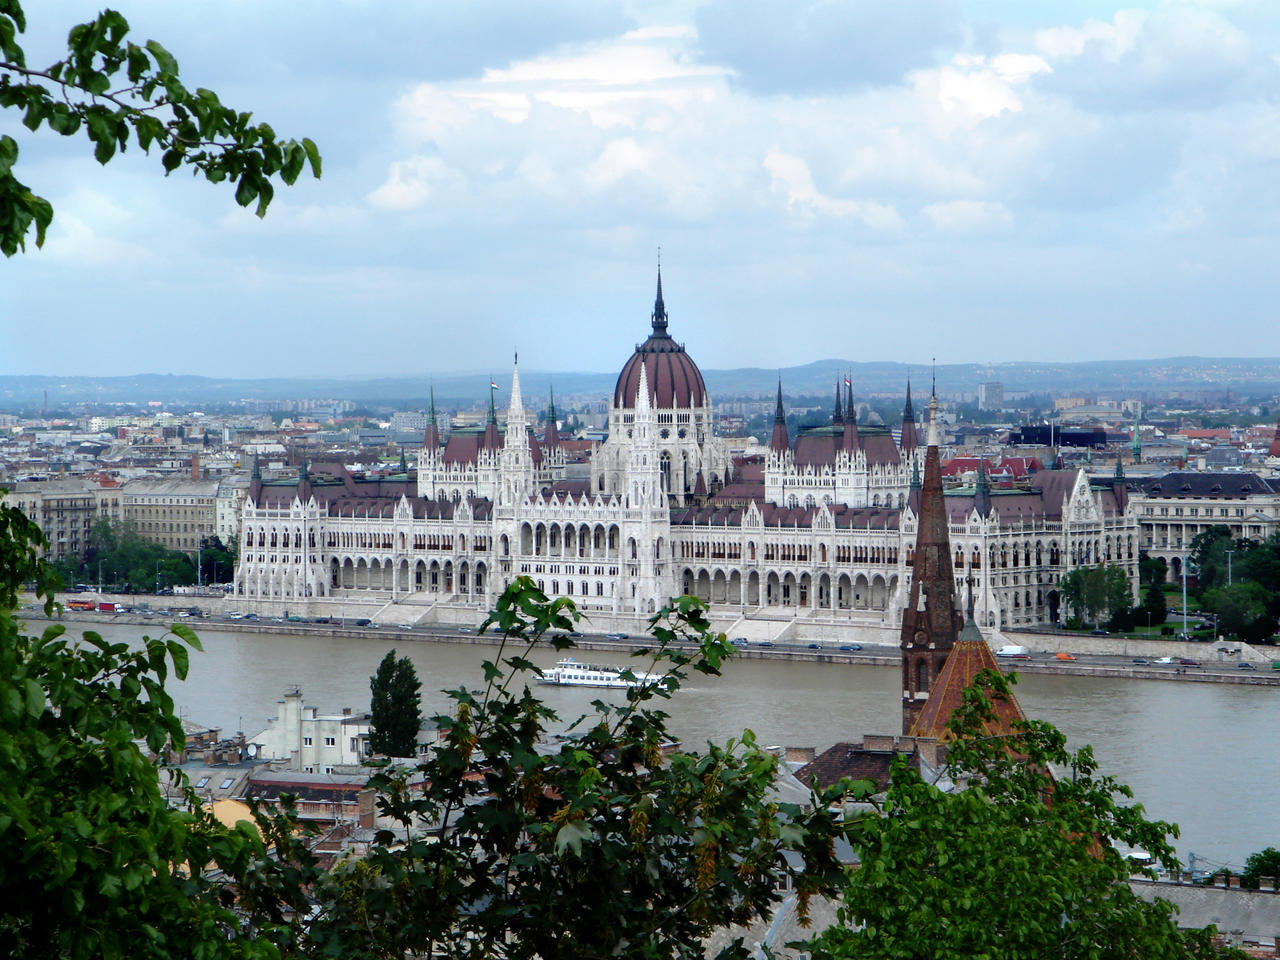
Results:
<point x="1194" y="753"/>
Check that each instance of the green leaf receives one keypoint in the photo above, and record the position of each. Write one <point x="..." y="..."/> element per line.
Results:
<point x="164" y="60"/>
<point x="179" y="654"/>
<point x="570" y="836"/>
<point x="35" y="698"/>
<point x="313" y="155"/>
<point x="8" y="154"/>
<point x="187" y="634"/>
<point x="246" y="190"/>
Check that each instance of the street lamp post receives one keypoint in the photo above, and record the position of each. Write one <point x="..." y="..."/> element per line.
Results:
<point x="1185" y="560"/>
<point x="1229" y="553"/>
<point x="157" y="578"/>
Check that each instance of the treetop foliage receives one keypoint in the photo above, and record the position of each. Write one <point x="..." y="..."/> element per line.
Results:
<point x="120" y="92"/>
<point x="394" y="707"/>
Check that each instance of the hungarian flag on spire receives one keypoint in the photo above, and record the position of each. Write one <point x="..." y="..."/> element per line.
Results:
<point x="493" y="386"/>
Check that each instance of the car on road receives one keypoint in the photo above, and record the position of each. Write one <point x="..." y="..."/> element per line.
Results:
<point x="850" y="647"/>
<point x="815" y="646"/>
<point x="739" y="641"/>
<point x="1188" y="662"/>
<point x="465" y="630"/>
<point x="764" y="643"/>
<point x="1245" y="665"/>
<point x="1017" y="656"/>
<point x="1063" y="656"/>
<point x="1100" y="632"/>
<point x="1141" y="661"/>
<point x="1167" y="660"/>
<point x="616" y="636"/>
<point x="575" y="635"/>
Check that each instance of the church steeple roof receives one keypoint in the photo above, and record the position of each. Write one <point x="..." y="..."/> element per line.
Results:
<point x="837" y="418"/>
<point x="970" y="655"/>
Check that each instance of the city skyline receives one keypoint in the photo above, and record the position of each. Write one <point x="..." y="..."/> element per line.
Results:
<point x="976" y="181"/>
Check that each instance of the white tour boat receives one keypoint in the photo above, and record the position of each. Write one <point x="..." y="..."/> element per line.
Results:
<point x="570" y="673"/>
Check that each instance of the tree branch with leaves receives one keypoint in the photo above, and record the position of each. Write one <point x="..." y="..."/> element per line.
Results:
<point x="119" y="92"/>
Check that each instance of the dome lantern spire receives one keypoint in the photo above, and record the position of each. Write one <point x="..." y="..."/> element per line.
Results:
<point x="659" y="317"/>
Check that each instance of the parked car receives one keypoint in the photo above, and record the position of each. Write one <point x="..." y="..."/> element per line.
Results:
<point x="851" y="646"/>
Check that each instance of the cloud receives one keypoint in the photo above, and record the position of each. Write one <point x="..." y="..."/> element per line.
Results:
<point x="1178" y="57"/>
<point x="825" y="46"/>
<point x="969" y="217"/>
<point x="414" y="182"/>
<point x="790" y="176"/>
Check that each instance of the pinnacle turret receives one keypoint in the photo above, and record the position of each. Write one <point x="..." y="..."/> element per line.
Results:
<point x="780" y="443"/>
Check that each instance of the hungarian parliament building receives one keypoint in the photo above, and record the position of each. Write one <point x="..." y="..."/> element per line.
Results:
<point x="821" y="527"/>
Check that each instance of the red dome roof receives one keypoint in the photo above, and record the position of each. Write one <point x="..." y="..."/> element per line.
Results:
<point x="674" y="379"/>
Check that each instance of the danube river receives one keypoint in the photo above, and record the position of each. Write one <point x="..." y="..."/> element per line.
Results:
<point x="1194" y="753"/>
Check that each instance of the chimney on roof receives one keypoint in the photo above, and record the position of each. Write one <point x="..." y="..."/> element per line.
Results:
<point x="195" y="466"/>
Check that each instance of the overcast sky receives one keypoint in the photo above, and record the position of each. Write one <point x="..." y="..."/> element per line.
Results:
<point x="975" y="180"/>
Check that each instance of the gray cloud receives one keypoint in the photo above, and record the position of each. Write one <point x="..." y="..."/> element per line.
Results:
<point x="825" y="46"/>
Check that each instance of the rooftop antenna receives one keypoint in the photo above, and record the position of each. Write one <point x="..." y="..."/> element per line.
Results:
<point x="933" y="362"/>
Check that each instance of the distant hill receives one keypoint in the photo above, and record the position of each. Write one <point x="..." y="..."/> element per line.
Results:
<point x="1245" y="376"/>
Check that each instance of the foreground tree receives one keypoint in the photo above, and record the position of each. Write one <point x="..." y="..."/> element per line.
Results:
<point x="1009" y="863"/>
<point x="512" y="843"/>
<point x="117" y="92"/>
<point x="97" y="863"/>
<point x="395" y="708"/>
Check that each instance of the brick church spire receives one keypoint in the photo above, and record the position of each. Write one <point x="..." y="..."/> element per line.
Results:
<point x="930" y="622"/>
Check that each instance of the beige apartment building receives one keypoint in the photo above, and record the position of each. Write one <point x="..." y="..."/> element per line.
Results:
<point x="174" y="512"/>
<point x="65" y="511"/>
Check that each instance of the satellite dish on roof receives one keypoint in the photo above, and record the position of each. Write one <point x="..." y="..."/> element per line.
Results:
<point x="251" y="750"/>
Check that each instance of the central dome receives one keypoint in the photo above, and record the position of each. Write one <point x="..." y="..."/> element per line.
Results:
<point x="674" y="379"/>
